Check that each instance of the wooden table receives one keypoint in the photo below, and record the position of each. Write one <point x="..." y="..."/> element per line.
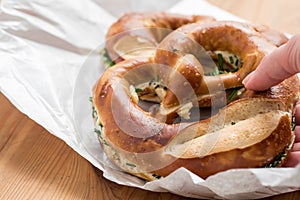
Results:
<point x="36" y="165"/>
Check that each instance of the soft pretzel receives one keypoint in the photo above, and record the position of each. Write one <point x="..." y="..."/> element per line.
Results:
<point x="239" y="39"/>
<point x="252" y="131"/>
<point x="146" y="30"/>
<point x="249" y="132"/>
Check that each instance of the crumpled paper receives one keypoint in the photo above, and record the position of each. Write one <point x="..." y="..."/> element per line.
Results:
<point x="50" y="61"/>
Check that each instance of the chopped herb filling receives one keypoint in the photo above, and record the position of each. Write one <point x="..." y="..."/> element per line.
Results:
<point x="130" y="164"/>
<point x="137" y="90"/>
<point x="232" y="95"/>
<point x="231" y="60"/>
<point x="236" y="62"/>
<point x="293" y="123"/>
<point x="175" y="50"/>
<point x="277" y="161"/>
<point x="156" y="176"/>
<point x="220" y="61"/>
<point x="106" y="58"/>
<point x="94" y="113"/>
<point x="100" y="135"/>
<point x="226" y="63"/>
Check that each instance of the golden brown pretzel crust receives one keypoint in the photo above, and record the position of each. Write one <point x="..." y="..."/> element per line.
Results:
<point x="249" y="132"/>
<point x="275" y="37"/>
<point x="143" y="23"/>
<point x="257" y="155"/>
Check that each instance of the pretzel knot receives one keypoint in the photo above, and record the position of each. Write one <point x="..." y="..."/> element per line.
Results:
<point x="150" y="109"/>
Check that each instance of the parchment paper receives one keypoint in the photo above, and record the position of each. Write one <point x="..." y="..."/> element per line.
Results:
<point x="49" y="62"/>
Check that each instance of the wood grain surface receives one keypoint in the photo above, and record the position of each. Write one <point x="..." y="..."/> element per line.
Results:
<point x="36" y="165"/>
<point x="282" y="15"/>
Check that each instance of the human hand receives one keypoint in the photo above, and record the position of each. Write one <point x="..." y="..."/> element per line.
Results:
<point x="274" y="68"/>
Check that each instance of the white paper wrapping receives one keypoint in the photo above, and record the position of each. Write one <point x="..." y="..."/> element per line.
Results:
<point x="49" y="62"/>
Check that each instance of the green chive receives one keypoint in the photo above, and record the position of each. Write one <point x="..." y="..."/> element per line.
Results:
<point x="233" y="123"/>
<point x="137" y="90"/>
<point x="99" y="133"/>
<point x="231" y="60"/>
<point x="131" y="165"/>
<point x="220" y="61"/>
<point x="234" y="70"/>
<point x="293" y="123"/>
<point x="94" y="113"/>
<point x="156" y="176"/>
<point x="232" y="95"/>
<point x="108" y="61"/>
<point x="237" y="62"/>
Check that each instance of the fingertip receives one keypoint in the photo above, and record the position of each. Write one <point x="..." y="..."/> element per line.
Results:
<point x="258" y="81"/>
<point x="247" y="81"/>
<point x="254" y="82"/>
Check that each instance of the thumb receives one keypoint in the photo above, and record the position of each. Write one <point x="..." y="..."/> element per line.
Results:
<point x="274" y="68"/>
